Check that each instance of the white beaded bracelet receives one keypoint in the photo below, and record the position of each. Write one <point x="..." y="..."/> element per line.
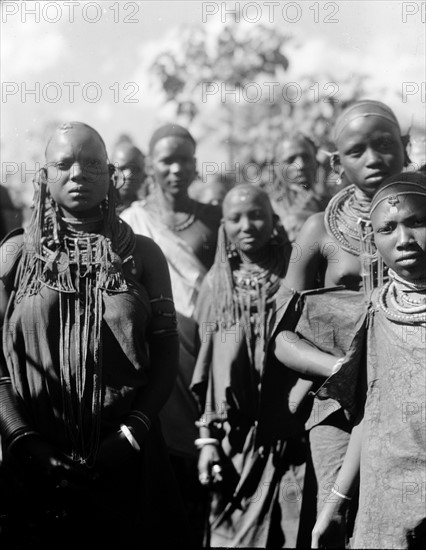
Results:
<point x="341" y="495"/>
<point x="125" y="430"/>
<point x="202" y="441"/>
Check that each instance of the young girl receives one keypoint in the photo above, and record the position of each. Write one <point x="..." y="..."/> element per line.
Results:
<point x="334" y="249"/>
<point x="388" y="443"/>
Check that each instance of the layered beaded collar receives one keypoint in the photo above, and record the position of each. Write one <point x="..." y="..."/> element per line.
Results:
<point x="402" y="301"/>
<point x="348" y="214"/>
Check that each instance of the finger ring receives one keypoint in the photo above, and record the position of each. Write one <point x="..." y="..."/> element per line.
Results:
<point x="204" y="478"/>
<point x="216" y="469"/>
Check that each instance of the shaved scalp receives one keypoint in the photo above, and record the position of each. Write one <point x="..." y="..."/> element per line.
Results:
<point x="86" y="133"/>
<point x="247" y="191"/>
<point x="295" y="137"/>
<point x="128" y="151"/>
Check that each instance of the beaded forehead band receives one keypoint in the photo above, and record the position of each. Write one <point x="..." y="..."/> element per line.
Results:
<point x="363" y="109"/>
<point x="393" y="199"/>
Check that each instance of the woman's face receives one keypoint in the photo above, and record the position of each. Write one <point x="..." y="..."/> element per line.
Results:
<point x="370" y="150"/>
<point x="77" y="171"/>
<point x="174" y="165"/>
<point x="248" y="220"/>
<point x="297" y="163"/>
<point x="399" y="227"/>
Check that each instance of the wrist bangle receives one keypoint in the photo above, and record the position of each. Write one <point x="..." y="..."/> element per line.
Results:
<point x="202" y="441"/>
<point x="125" y="430"/>
<point x="341" y="495"/>
<point x="143" y="418"/>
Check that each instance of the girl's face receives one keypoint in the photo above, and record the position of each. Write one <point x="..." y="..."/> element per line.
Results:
<point x="77" y="172"/>
<point x="400" y="235"/>
<point x="370" y="150"/>
<point x="248" y="220"/>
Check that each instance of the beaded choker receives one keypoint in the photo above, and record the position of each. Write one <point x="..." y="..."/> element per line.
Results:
<point x="83" y="221"/>
<point x="402" y="301"/>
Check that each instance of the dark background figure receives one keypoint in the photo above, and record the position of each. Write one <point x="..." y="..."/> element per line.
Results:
<point x="130" y="163"/>
<point x="10" y="216"/>
<point x="295" y="194"/>
<point x="210" y="192"/>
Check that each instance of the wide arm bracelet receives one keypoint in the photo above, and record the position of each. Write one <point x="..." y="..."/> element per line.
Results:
<point x="12" y="422"/>
<point x="163" y="321"/>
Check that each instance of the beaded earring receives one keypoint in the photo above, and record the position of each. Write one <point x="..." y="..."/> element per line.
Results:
<point x="231" y="251"/>
<point x="334" y="163"/>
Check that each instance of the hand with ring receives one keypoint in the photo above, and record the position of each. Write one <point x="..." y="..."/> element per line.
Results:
<point x="209" y="468"/>
<point x="217" y="473"/>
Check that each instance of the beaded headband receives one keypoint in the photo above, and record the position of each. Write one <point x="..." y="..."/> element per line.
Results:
<point x="364" y="109"/>
<point x="393" y="199"/>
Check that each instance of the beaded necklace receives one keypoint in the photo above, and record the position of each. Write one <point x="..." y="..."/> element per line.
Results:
<point x="183" y="225"/>
<point x="157" y="206"/>
<point x="402" y="301"/>
<point x="348" y="214"/>
<point x="80" y="266"/>
<point x="245" y="293"/>
<point x="254" y="291"/>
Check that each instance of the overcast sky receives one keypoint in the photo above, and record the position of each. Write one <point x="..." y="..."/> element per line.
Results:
<point x="48" y="44"/>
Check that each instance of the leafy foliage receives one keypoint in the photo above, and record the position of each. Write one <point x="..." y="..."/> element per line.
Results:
<point x="233" y="82"/>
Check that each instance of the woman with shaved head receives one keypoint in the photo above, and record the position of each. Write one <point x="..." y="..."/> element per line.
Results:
<point x="130" y="163"/>
<point x="90" y="357"/>
<point x="250" y="450"/>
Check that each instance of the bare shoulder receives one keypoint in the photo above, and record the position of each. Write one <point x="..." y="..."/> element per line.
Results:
<point x="305" y="261"/>
<point x="313" y="230"/>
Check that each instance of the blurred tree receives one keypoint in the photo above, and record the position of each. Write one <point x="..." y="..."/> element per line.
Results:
<point x="232" y="82"/>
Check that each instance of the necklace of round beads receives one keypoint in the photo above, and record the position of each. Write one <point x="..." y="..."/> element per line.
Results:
<point x="346" y="215"/>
